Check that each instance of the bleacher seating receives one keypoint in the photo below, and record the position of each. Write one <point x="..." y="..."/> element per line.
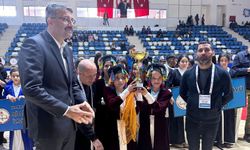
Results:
<point x="243" y="31"/>
<point x="186" y="39"/>
<point x="183" y="41"/>
<point x="80" y="43"/>
<point x="3" y="27"/>
<point x="102" y="41"/>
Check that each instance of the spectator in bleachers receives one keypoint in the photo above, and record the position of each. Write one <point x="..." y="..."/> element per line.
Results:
<point x="197" y="19"/>
<point x="105" y="18"/>
<point x="123" y="46"/>
<point x="91" y="38"/>
<point x="143" y="30"/>
<point x="233" y="25"/>
<point x="203" y="20"/>
<point x="148" y="31"/>
<point x="205" y="94"/>
<point x="113" y="46"/>
<point x="126" y="30"/>
<point x="241" y="66"/>
<point x="131" y="30"/>
<point x="247" y="24"/>
<point x="159" y="33"/>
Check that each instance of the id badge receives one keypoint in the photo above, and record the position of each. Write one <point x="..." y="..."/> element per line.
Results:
<point x="205" y="101"/>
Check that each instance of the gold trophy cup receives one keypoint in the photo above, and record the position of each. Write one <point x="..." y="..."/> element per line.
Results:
<point x="138" y="56"/>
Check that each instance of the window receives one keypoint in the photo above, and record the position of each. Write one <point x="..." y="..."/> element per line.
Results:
<point x="87" y="12"/>
<point x="34" y="11"/>
<point x="8" y="11"/>
<point x="92" y="13"/>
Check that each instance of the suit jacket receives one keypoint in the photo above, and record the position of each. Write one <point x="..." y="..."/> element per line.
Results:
<point x="47" y="89"/>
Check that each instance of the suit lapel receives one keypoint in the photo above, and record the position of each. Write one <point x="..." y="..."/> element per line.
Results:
<point x="55" y="50"/>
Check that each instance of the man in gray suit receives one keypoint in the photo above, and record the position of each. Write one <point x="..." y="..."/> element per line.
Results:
<point x="50" y="84"/>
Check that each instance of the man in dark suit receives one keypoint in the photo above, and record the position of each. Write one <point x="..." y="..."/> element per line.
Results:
<point x="87" y="72"/>
<point x="50" y="84"/>
<point x="123" y="6"/>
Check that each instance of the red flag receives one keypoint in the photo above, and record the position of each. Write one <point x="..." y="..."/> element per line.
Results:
<point x="105" y="5"/>
<point x="141" y="8"/>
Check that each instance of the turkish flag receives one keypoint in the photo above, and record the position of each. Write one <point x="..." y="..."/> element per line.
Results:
<point x="141" y="8"/>
<point x="105" y="5"/>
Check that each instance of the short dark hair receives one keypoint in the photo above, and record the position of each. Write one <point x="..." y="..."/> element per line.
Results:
<point x="204" y="42"/>
<point x="180" y="58"/>
<point x="52" y="10"/>
<point x="224" y="55"/>
<point x="14" y="69"/>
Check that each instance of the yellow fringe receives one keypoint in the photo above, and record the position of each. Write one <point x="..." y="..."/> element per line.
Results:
<point x="128" y="115"/>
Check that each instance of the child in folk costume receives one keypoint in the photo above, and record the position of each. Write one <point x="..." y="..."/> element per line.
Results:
<point x="19" y="139"/>
<point x="153" y="132"/>
<point x="101" y="114"/>
<point x="122" y="109"/>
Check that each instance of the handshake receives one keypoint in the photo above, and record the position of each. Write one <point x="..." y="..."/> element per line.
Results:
<point x="81" y="113"/>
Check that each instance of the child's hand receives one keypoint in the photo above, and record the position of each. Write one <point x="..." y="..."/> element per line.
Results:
<point x="132" y="86"/>
<point x="11" y="98"/>
<point x="142" y="90"/>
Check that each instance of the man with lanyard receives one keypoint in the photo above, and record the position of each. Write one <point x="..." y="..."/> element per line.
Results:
<point x="87" y="72"/>
<point x="206" y="88"/>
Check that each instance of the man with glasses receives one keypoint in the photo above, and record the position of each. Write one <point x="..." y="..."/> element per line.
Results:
<point x="50" y="84"/>
<point x="206" y="88"/>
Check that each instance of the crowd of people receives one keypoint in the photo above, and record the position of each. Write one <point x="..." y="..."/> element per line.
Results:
<point x="62" y="102"/>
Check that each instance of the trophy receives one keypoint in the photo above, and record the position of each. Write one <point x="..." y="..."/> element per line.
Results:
<point x="138" y="56"/>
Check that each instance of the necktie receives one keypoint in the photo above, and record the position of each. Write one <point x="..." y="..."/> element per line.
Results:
<point x="64" y="58"/>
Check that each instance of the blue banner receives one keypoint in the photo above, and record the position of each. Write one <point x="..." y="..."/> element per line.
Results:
<point x="11" y="115"/>
<point x="239" y="100"/>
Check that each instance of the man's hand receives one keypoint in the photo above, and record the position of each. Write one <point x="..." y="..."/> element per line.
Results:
<point x="98" y="145"/>
<point x="81" y="113"/>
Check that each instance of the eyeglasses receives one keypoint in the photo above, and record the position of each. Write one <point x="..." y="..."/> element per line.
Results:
<point x="66" y="20"/>
<point x="204" y="49"/>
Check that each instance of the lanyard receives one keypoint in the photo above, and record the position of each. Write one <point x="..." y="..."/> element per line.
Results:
<point x="212" y="79"/>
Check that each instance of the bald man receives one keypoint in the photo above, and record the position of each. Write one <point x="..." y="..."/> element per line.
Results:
<point x="87" y="72"/>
